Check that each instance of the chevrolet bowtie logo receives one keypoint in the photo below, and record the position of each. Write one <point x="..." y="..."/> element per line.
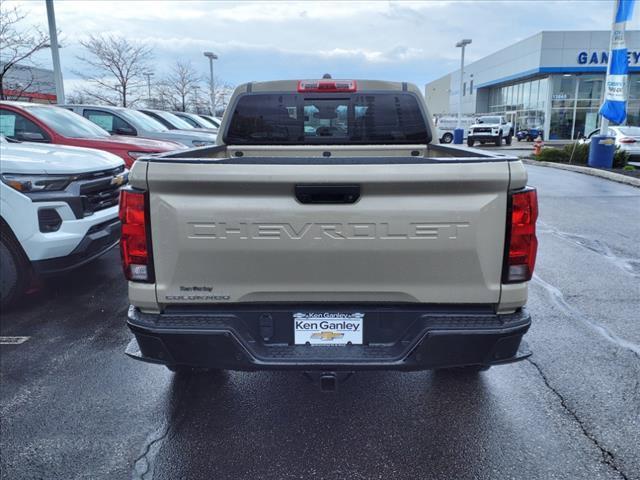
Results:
<point x="327" y="336"/>
<point x="118" y="180"/>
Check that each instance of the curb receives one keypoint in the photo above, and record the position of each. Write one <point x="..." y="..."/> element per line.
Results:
<point x="615" y="177"/>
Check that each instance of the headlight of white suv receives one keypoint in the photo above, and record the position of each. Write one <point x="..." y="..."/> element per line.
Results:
<point x="36" y="183"/>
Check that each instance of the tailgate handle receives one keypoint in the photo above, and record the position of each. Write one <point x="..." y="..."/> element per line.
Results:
<point x="323" y="194"/>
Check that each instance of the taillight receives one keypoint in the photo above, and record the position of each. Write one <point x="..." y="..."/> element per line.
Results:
<point x="521" y="241"/>
<point x="328" y="86"/>
<point x="627" y="140"/>
<point x="135" y="244"/>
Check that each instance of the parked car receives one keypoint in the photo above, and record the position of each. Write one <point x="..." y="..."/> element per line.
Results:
<point x="529" y="134"/>
<point x="173" y="122"/>
<point x="446" y="125"/>
<point x="217" y="121"/>
<point x="627" y="138"/>
<point x="33" y="122"/>
<point x="58" y="208"/>
<point x="133" y="123"/>
<point x="196" y="121"/>
<point x="490" y="128"/>
<point x="529" y="127"/>
<point x="361" y="234"/>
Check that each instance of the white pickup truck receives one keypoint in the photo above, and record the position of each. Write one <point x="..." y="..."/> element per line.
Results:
<point x="328" y="232"/>
<point x="58" y="210"/>
<point x="490" y="128"/>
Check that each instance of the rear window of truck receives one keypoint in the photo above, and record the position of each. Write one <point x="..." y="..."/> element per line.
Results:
<point x="377" y="118"/>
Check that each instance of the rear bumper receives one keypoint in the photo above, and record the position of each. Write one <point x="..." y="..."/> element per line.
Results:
<point x="261" y="338"/>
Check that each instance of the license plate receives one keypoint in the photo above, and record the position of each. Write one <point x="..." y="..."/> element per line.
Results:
<point x="328" y="328"/>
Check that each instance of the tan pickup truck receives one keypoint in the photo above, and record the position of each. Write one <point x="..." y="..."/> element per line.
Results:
<point x="327" y="233"/>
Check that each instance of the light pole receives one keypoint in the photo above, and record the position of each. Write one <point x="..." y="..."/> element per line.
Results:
<point x="55" y="53"/>
<point x="458" y="133"/>
<point x="212" y="56"/>
<point x="148" y="75"/>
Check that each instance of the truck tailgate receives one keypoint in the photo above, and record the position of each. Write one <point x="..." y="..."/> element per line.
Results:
<point x="419" y="232"/>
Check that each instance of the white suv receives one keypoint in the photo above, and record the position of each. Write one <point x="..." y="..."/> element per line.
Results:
<point x="58" y="210"/>
<point x="490" y="128"/>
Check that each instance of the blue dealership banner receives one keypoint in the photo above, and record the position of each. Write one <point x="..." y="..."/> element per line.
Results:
<point x="615" y="101"/>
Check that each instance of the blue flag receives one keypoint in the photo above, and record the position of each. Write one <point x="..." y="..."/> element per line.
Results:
<point x="614" y="107"/>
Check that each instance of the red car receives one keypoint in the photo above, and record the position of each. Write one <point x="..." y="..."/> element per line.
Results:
<point x="33" y="122"/>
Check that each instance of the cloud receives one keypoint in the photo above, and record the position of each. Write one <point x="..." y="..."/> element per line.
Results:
<point x="413" y="41"/>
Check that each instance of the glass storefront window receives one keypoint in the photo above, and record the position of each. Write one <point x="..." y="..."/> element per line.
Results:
<point x="586" y="122"/>
<point x="561" y="123"/>
<point x="633" y="115"/>
<point x="634" y="86"/>
<point x="530" y="119"/>
<point x="590" y="87"/>
<point x="527" y="103"/>
<point x="633" y="107"/>
<point x="542" y="93"/>
<point x="521" y="96"/>
<point x="564" y="103"/>
<point x="589" y="103"/>
<point x="524" y="102"/>
<point x="564" y="87"/>
<point x="534" y="93"/>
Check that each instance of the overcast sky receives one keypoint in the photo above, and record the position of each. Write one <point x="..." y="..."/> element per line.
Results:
<point x="411" y="41"/>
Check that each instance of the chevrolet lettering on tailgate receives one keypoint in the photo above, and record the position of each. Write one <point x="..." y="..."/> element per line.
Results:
<point x="336" y="231"/>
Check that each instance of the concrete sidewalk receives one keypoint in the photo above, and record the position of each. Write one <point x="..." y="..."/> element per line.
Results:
<point x="595" y="172"/>
<point x="526" y="153"/>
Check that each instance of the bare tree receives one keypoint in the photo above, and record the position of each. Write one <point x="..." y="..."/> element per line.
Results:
<point x="17" y="46"/>
<point x="199" y="102"/>
<point x="223" y="93"/>
<point x="182" y="83"/>
<point x="161" y="97"/>
<point x="77" y="97"/>
<point x="117" y="68"/>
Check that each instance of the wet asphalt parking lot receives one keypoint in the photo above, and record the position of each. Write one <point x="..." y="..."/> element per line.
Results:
<point x="73" y="406"/>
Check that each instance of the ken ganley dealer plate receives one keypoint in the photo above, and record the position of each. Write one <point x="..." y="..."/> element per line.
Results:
<point x="328" y="328"/>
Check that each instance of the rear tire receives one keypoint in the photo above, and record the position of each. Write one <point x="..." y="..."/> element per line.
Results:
<point x="509" y="140"/>
<point x="499" y="140"/>
<point x="15" y="271"/>
<point x="470" y="142"/>
<point x="447" y="138"/>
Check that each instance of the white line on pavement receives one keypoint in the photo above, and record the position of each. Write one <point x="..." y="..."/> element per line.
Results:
<point x="13" y="340"/>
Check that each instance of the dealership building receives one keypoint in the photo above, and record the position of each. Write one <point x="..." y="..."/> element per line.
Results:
<point x="552" y="80"/>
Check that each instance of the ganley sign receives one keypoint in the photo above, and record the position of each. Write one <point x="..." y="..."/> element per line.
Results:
<point x="602" y="58"/>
